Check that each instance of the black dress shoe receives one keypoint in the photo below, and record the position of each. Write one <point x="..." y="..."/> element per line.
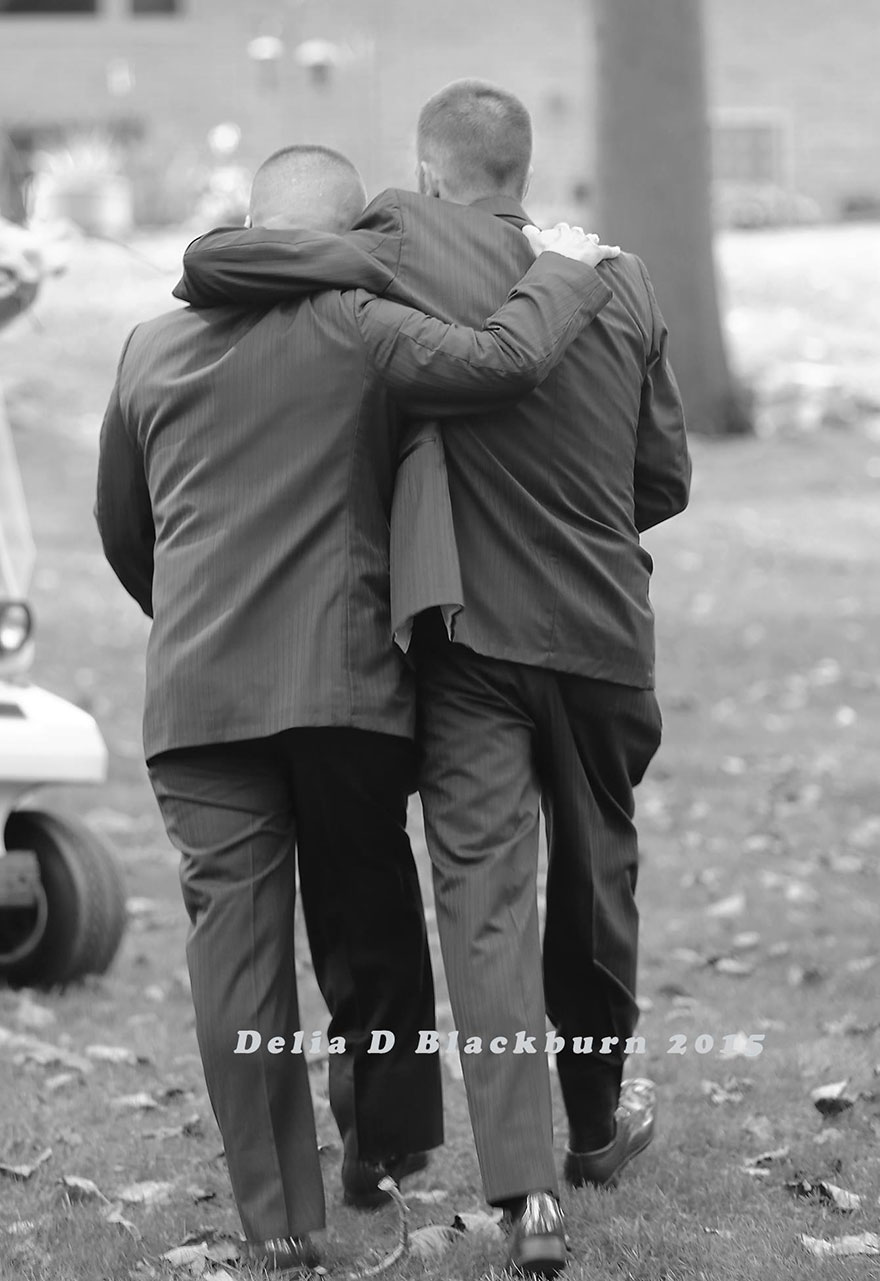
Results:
<point x="360" y="1179"/>
<point x="634" y="1120"/>
<point x="282" y="1254"/>
<point x="537" y="1236"/>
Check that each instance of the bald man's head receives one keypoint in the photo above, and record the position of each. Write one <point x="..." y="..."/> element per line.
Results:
<point x="307" y="186"/>
<point x="474" y="139"/>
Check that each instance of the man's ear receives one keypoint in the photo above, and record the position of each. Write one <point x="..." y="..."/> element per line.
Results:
<point x="429" y="183"/>
<point x="528" y="181"/>
<point x="248" y="222"/>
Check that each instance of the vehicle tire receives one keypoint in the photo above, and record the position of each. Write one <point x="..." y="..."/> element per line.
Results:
<point x="84" y="894"/>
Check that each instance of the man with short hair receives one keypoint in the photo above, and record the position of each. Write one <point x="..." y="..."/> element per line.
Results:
<point x="244" y="496"/>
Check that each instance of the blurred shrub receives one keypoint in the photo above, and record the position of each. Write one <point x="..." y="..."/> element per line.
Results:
<point x="746" y="205"/>
<point x="83" y="180"/>
<point x="861" y="206"/>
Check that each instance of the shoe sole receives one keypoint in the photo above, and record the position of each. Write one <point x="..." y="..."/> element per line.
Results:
<point x="583" y="1181"/>
<point x="539" y="1256"/>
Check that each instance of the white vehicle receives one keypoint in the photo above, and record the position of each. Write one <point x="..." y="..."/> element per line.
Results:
<point x="62" y="904"/>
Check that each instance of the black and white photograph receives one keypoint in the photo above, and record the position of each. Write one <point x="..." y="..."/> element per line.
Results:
<point x="439" y="640"/>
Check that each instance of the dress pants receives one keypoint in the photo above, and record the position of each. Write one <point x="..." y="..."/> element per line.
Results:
<point x="497" y="739"/>
<point x="239" y="813"/>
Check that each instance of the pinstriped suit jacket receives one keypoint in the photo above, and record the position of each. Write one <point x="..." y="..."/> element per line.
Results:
<point x="547" y="497"/>
<point x="244" y="492"/>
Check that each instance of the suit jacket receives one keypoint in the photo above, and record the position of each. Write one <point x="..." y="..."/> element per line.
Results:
<point x="548" y="498"/>
<point x="245" y="483"/>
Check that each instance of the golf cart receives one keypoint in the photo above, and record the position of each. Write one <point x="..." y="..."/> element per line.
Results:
<point x="62" y="904"/>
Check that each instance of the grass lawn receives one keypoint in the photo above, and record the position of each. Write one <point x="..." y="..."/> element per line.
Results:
<point x="760" y="825"/>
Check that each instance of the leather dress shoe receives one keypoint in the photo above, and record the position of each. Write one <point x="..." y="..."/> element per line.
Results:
<point x="282" y="1254"/>
<point x="634" y="1120"/>
<point x="360" y="1179"/>
<point x="537" y="1236"/>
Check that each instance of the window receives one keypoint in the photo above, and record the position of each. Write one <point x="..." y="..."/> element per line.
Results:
<point x="749" y="151"/>
<point x="143" y="7"/>
<point x="24" y="8"/>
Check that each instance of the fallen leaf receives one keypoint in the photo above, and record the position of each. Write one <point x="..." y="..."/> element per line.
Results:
<point x="723" y="909"/>
<point x="767" y="1158"/>
<point x="745" y="941"/>
<point x="827" y="1193"/>
<point x="487" y="1226"/>
<point x="730" y="965"/>
<point x="114" y="1215"/>
<point x="56" y="1083"/>
<point x="21" y="1228"/>
<point x="201" y="1194"/>
<point x="431" y="1242"/>
<point x="81" y="1191"/>
<point x="24" y="1172"/>
<point x="864" y="1243"/>
<point x="28" y="1049"/>
<point x="112" y="1054"/>
<point x="134" y="1103"/>
<point x="729" y="1091"/>
<point x="430" y="1197"/>
<point x="151" y="1192"/>
<point x="831" y="1100"/>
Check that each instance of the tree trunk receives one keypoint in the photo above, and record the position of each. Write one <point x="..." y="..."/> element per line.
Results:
<point x="653" y="187"/>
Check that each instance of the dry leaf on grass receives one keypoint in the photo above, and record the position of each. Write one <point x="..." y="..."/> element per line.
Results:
<point x="479" y="1224"/>
<point x="832" y="1099"/>
<point x="21" y="1228"/>
<point x="112" y="1054"/>
<point x="827" y="1193"/>
<point x="726" y="908"/>
<point x="733" y="967"/>
<point x="730" y="1091"/>
<point x="201" y="1194"/>
<point x="79" y="1191"/>
<point x="114" y="1215"/>
<point x="430" y="1197"/>
<point x="431" y="1242"/>
<point x="134" y="1103"/>
<point x="24" y="1172"/>
<point x="152" y="1192"/>
<point x="864" y="1243"/>
<point x="28" y="1049"/>
<point x="60" y="1082"/>
<point x="761" y="1161"/>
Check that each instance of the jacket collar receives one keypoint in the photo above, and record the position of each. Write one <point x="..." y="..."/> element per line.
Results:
<point x="505" y="207"/>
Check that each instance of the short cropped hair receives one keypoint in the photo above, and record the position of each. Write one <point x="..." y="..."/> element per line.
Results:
<point x="479" y="137"/>
<point x="310" y="186"/>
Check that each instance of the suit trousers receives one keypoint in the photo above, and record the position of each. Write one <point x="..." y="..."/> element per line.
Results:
<point x="497" y="740"/>
<point x="240" y="813"/>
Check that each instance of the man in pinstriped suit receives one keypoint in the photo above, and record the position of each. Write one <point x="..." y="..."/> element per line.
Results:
<point x="244" y="494"/>
<point x="542" y="686"/>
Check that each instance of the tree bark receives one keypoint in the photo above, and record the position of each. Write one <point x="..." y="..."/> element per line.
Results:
<point x="653" y="187"/>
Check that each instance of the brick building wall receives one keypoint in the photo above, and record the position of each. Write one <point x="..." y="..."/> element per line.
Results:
<point x="803" y="71"/>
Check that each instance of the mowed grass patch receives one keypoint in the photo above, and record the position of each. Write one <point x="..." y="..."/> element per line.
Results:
<point x="760" y="825"/>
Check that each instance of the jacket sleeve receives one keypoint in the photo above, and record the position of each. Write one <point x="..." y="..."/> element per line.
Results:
<point x="662" y="474"/>
<point x="259" y="266"/>
<point x="438" y="369"/>
<point x="123" y="509"/>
